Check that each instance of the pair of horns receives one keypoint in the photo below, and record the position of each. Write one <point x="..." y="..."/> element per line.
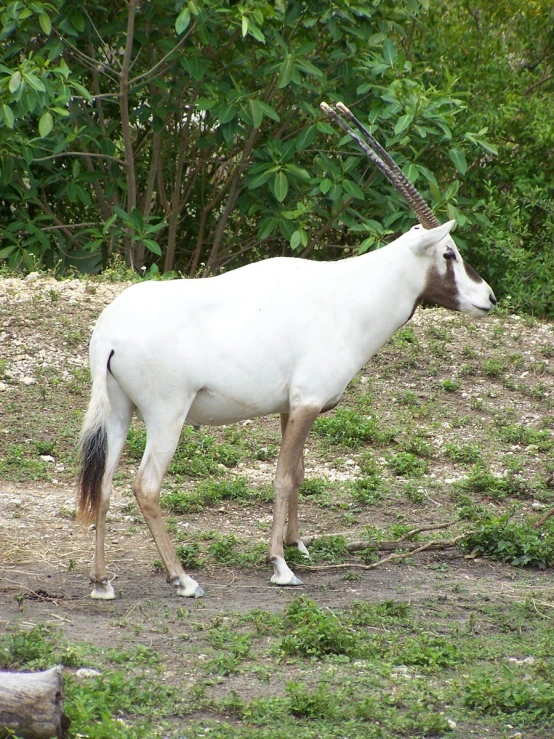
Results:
<point x="384" y="162"/>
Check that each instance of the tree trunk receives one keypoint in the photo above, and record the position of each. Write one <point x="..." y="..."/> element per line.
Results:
<point x="31" y="704"/>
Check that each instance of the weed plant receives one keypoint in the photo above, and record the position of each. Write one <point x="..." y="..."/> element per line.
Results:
<point x="498" y="487"/>
<point x="518" y="544"/>
<point x="210" y="493"/>
<point x="312" y="631"/>
<point x="351" y="429"/>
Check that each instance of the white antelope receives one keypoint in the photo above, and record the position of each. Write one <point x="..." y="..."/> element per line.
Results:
<point x="282" y="335"/>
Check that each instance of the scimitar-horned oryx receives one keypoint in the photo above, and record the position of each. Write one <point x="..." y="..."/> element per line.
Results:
<point x="282" y="335"/>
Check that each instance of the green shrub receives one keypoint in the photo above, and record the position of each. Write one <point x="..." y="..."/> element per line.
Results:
<point x="518" y="544"/>
<point x="313" y="704"/>
<point x="315" y="632"/>
<point x="406" y="464"/>
<point x="351" y="429"/>
<point x="329" y="549"/>
<point x="428" y="651"/>
<point x="482" y="480"/>
<point x="209" y="493"/>
<point x="509" y="693"/>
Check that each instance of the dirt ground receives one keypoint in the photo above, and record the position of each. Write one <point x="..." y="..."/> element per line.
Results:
<point x="451" y="383"/>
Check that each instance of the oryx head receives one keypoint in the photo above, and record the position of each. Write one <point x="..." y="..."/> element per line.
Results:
<point x="451" y="282"/>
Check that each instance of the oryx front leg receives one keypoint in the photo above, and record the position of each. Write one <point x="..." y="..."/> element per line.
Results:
<point x="286" y="484"/>
<point x="162" y="438"/>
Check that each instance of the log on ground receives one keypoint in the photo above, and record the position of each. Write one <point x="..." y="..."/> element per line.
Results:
<point x="31" y="704"/>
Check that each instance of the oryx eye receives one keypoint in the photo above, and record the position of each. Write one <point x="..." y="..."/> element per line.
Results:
<point x="450" y="255"/>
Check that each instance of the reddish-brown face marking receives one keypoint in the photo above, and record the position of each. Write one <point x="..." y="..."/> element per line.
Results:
<point x="472" y="274"/>
<point x="442" y="289"/>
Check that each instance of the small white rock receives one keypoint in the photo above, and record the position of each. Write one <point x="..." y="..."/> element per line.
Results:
<point x="87" y="672"/>
<point x="47" y="458"/>
<point x="29" y="381"/>
<point x="523" y="661"/>
<point x="3" y="387"/>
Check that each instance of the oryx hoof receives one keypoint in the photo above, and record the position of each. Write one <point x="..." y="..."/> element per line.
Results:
<point x="301" y="548"/>
<point x="282" y="574"/>
<point x="187" y="587"/>
<point x="102" y="590"/>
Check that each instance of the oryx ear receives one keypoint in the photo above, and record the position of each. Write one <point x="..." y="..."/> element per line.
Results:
<point x="423" y="238"/>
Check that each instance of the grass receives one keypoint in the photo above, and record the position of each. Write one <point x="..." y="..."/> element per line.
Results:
<point x="452" y="419"/>
<point x="385" y="670"/>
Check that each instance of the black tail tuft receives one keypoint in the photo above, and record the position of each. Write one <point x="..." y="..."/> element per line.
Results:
<point x="93" y="448"/>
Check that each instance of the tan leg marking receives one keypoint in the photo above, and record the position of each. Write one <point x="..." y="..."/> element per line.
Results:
<point x="287" y="479"/>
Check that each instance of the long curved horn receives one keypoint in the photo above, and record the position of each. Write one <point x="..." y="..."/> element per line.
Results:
<point x="380" y="157"/>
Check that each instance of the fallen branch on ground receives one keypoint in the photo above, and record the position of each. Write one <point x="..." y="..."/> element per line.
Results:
<point x="544" y="518"/>
<point x="396" y="556"/>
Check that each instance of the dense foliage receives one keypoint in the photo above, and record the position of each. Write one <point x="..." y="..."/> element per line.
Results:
<point x="187" y="136"/>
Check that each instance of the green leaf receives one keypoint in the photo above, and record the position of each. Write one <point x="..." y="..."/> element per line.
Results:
<point x="269" y="111"/>
<point x="244" y="25"/>
<point x="411" y="171"/>
<point x="281" y="186"/>
<point x="375" y="39"/>
<point x="77" y="20"/>
<point x="390" y="54"/>
<point x="194" y="66"/>
<point x="308" y="68"/>
<point x="256" y="112"/>
<point x="137" y="219"/>
<point x="227" y="113"/>
<point x="182" y="21"/>
<point x="452" y="189"/>
<point x="45" y="124"/>
<point x="5" y="253"/>
<point x="459" y="160"/>
<point x="297" y="171"/>
<point x="286" y="71"/>
<point x="305" y="137"/>
<point x="81" y="90"/>
<point x="402" y="123"/>
<point x="366" y="244"/>
<point x="256" y="32"/>
<point x="487" y="146"/>
<point x="152" y="246"/>
<point x="34" y="82"/>
<point x="267" y="227"/>
<point x="205" y="103"/>
<point x="295" y="240"/>
<point x="261" y="177"/>
<point x="353" y="189"/>
<point x="7" y="114"/>
<point x="45" y="23"/>
<point x="325" y="185"/>
<point x="325" y="127"/>
<point x="108" y="223"/>
<point x="15" y="82"/>
<point x="121" y="213"/>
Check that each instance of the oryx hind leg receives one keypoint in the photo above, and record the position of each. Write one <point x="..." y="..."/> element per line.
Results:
<point x="163" y="427"/>
<point x="292" y="534"/>
<point x="117" y="427"/>
<point x="296" y="431"/>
